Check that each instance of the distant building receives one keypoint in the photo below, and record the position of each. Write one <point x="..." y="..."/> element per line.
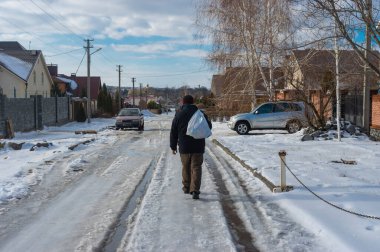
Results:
<point x="81" y="91"/>
<point x="63" y="85"/>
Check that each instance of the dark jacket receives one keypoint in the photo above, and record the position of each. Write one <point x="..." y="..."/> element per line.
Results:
<point x="187" y="144"/>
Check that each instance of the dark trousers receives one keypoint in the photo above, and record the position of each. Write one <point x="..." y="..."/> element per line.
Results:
<point x="191" y="171"/>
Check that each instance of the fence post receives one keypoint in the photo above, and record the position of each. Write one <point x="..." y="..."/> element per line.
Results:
<point x="56" y="109"/>
<point x="282" y="155"/>
<point x="2" y="115"/>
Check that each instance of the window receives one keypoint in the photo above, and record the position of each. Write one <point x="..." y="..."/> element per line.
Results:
<point x="282" y="107"/>
<point x="296" y="107"/>
<point x="34" y="78"/>
<point x="264" y="109"/>
<point x="42" y="78"/>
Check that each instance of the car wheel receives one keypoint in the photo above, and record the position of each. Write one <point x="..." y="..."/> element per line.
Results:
<point x="293" y="126"/>
<point x="242" y="128"/>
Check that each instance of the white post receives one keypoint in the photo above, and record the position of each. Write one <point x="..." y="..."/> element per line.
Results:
<point x="282" y="155"/>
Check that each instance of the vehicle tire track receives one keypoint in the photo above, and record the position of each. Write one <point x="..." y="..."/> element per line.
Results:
<point x="242" y="237"/>
<point x="266" y="221"/>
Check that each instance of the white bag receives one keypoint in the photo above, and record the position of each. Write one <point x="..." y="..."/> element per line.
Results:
<point x="198" y="127"/>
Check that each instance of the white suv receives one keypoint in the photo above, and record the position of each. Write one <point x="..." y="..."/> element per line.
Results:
<point x="271" y="115"/>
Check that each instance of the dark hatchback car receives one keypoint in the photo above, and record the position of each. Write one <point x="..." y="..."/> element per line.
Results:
<point x="130" y="118"/>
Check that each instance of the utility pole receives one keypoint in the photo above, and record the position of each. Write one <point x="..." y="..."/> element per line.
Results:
<point x="133" y="90"/>
<point x="119" y="90"/>
<point x="167" y="100"/>
<point x="140" y="94"/>
<point x="337" y="84"/>
<point x="146" y="95"/>
<point x="366" y="90"/>
<point x="88" y="47"/>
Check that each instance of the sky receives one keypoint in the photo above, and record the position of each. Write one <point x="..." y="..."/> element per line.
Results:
<point x="152" y="40"/>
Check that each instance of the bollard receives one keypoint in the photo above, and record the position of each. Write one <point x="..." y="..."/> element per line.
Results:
<point x="282" y="155"/>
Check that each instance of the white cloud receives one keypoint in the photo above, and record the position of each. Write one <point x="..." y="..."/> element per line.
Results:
<point x="192" y="53"/>
<point x="147" y="48"/>
<point x="121" y="27"/>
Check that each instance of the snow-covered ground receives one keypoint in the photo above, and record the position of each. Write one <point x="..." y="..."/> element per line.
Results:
<point x="22" y="168"/>
<point x="165" y="211"/>
<point x="353" y="187"/>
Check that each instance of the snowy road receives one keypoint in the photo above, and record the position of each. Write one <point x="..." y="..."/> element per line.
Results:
<point x="125" y="195"/>
<point x="72" y="211"/>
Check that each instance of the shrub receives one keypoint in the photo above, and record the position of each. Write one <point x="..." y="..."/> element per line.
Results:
<point x="153" y="105"/>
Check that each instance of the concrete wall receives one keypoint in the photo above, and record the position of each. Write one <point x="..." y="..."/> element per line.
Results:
<point x="33" y="113"/>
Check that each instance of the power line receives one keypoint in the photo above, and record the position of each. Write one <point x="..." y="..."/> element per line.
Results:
<point x="52" y="24"/>
<point x="57" y="13"/>
<point x="63" y="53"/>
<point x="80" y="62"/>
<point x="51" y="16"/>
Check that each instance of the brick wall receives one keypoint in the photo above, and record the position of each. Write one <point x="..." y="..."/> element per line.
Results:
<point x="375" y="111"/>
<point x="375" y="122"/>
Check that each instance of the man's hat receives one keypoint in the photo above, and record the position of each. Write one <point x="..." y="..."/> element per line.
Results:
<point x="187" y="99"/>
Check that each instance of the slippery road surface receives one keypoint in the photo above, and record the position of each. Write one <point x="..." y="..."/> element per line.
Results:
<point x="126" y="196"/>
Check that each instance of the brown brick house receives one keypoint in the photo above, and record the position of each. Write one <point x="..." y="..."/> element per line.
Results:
<point x="375" y="116"/>
<point x="312" y="72"/>
<point x="234" y="92"/>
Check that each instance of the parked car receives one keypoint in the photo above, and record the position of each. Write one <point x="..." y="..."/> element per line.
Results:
<point x="271" y="115"/>
<point x="130" y="118"/>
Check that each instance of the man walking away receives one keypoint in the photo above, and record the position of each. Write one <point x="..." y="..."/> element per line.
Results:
<point x="191" y="150"/>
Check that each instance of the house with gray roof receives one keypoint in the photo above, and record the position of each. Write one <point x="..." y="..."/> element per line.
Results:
<point x="23" y="72"/>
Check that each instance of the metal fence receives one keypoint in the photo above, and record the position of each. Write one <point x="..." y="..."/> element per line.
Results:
<point x="352" y="108"/>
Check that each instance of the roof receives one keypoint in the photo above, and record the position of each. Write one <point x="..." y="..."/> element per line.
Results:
<point x="17" y="59"/>
<point x="95" y="84"/>
<point x="217" y="83"/>
<point x="315" y="64"/>
<point x="15" y="65"/>
<point x="72" y="83"/>
<point x="11" y="45"/>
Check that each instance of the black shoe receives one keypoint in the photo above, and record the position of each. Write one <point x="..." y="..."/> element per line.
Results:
<point x="195" y="195"/>
<point x="186" y="190"/>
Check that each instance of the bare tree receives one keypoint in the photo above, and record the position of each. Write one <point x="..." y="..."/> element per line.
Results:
<point x="352" y="17"/>
<point x="246" y="33"/>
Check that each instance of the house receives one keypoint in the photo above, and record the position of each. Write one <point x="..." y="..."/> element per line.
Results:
<point x="234" y="92"/>
<point x="141" y="101"/>
<point x="23" y="72"/>
<point x="312" y="72"/>
<point x="81" y="90"/>
<point x="63" y="85"/>
<point x="217" y="83"/>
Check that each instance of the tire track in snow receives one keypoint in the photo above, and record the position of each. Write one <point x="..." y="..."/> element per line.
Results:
<point x="242" y="237"/>
<point x="268" y="223"/>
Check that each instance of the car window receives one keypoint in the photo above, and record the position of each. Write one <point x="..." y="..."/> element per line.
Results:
<point x="296" y="107"/>
<point x="129" y="112"/>
<point x="264" y="109"/>
<point x="282" y="107"/>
